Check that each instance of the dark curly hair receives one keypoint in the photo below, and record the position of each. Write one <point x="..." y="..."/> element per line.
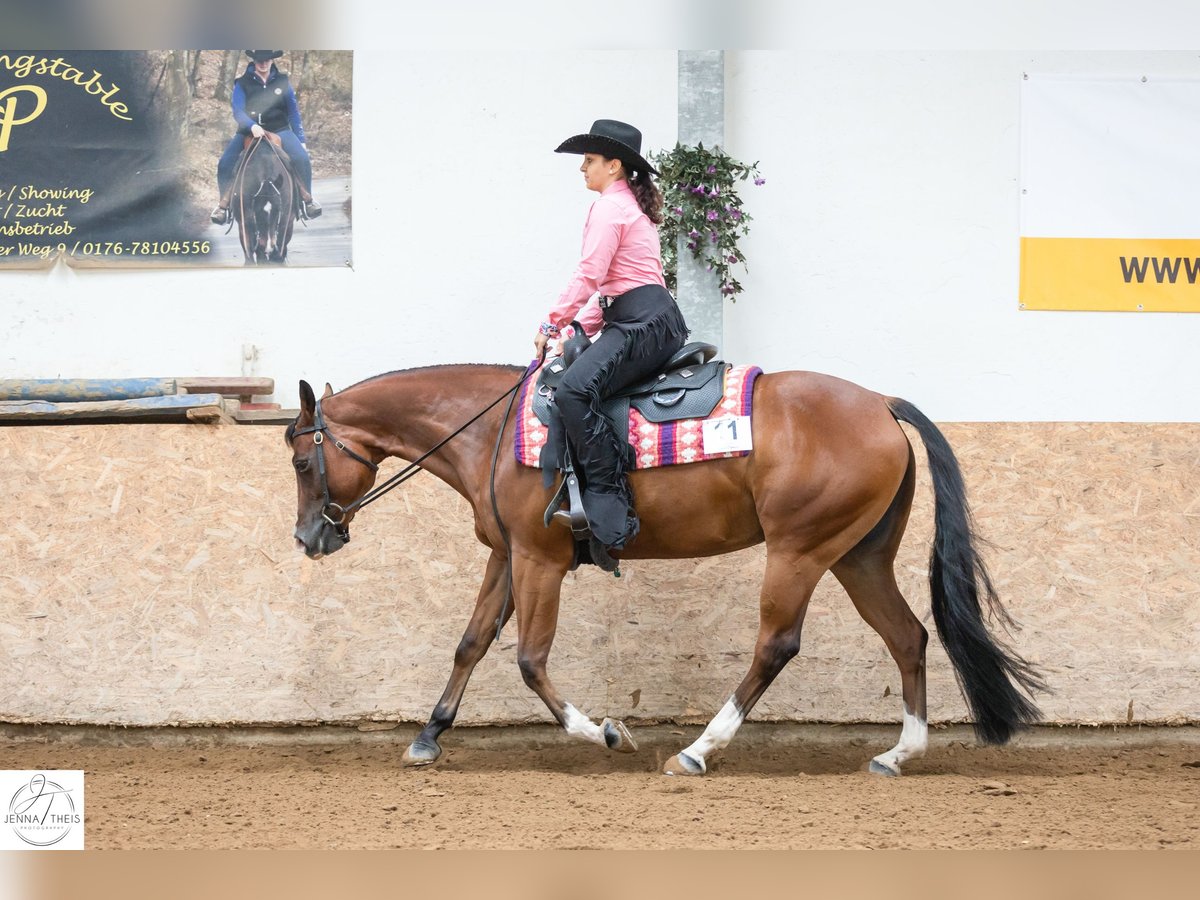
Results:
<point x="647" y="194"/>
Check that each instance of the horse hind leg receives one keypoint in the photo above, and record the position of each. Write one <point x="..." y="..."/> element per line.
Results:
<point x="472" y="648"/>
<point x="787" y="588"/>
<point x="867" y="574"/>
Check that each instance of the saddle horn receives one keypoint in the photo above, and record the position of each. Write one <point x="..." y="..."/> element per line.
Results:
<point x="573" y="346"/>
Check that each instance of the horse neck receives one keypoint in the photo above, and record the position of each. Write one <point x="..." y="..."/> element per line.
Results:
<point x="407" y="413"/>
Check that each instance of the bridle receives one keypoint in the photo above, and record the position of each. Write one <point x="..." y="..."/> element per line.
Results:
<point x="335" y="514"/>
<point x="330" y="510"/>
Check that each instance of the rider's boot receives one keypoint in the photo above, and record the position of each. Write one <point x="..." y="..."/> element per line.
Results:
<point x="312" y="208"/>
<point x="220" y="214"/>
<point x="611" y="519"/>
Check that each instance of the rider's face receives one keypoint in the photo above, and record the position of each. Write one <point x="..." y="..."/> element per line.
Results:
<point x="599" y="172"/>
<point x="262" y="68"/>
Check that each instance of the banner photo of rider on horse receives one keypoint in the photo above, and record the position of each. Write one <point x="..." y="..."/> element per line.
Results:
<point x="175" y="158"/>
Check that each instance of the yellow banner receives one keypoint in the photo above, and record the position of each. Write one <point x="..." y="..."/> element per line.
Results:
<point x="1129" y="274"/>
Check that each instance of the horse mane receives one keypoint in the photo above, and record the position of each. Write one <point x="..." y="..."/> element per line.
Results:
<point x="290" y="433"/>
<point x="514" y="369"/>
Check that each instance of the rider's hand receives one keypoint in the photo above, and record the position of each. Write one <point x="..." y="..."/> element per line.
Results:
<point x="257" y="130"/>
<point x="539" y="344"/>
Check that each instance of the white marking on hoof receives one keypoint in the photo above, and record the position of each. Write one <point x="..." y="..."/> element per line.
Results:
<point x="878" y="767"/>
<point x="617" y="736"/>
<point x="914" y="739"/>
<point x="682" y="764"/>
<point x="579" y="725"/>
<point x="420" y="755"/>
<point x="717" y="735"/>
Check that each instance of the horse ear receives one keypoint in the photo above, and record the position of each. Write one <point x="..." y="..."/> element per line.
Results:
<point x="308" y="400"/>
<point x="328" y="391"/>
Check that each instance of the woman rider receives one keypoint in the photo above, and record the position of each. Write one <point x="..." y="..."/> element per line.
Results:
<point x="263" y="100"/>
<point x="620" y="279"/>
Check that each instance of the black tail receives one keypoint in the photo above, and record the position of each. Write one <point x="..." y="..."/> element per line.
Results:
<point x="988" y="672"/>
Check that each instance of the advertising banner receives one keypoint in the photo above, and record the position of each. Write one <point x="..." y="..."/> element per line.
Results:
<point x="175" y="157"/>
<point x="1110" y="194"/>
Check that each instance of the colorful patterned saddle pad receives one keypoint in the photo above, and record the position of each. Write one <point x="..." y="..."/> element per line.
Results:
<point x="654" y="443"/>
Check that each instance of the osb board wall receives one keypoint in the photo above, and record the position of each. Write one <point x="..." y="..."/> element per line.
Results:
<point x="147" y="576"/>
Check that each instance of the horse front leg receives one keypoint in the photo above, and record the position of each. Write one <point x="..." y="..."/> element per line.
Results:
<point x="538" y="584"/>
<point x="471" y="649"/>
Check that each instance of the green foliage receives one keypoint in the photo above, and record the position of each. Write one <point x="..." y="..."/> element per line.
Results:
<point x="702" y="205"/>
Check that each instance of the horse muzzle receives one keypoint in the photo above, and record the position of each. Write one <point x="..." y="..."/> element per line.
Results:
<point x="321" y="537"/>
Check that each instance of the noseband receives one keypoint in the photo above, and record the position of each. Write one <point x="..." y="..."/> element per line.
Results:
<point x="333" y="513"/>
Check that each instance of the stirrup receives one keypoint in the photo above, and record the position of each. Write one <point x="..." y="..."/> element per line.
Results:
<point x="219" y="216"/>
<point x="573" y="517"/>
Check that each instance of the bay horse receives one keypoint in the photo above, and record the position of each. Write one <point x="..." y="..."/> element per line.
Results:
<point x="264" y="201"/>
<point x="828" y="486"/>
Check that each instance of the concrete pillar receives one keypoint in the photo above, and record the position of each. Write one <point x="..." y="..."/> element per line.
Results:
<point x="701" y="120"/>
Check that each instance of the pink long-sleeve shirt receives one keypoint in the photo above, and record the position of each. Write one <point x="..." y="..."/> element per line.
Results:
<point x="620" y="252"/>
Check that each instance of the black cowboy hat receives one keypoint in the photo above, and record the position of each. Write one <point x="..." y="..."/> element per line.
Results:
<point x="612" y="139"/>
<point x="264" y="55"/>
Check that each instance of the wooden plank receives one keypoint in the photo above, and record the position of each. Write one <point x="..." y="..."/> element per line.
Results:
<point x="41" y="410"/>
<point x="75" y="390"/>
<point x="233" y="386"/>
<point x="266" y="416"/>
<point x="210" y="415"/>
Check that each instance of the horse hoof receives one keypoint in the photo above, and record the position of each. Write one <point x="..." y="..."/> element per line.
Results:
<point x="881" y="768"/>
<point x="617" y="736"/>
<point x="682" y="764"/>
<point x="419" y="754"/>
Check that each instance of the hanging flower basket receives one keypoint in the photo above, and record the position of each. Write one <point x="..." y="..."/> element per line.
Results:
<point x="702" y="204"/>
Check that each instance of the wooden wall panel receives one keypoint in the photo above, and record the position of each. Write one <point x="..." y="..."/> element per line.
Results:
<point x="148" y="576"/>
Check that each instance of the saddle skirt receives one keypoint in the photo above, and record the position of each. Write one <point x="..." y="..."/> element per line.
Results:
<point x="663" y="420"/>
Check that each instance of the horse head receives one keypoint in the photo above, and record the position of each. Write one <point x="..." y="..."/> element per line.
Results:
<point x="333" y="469"/>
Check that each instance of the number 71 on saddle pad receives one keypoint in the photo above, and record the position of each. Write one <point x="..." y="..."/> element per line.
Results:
<point x="728" y="434"/>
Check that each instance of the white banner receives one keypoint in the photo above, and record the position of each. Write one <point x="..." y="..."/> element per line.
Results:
<point x="1110" y="193"/>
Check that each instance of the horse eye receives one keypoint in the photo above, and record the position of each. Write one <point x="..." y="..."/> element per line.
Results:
<point x="300" y="464"/>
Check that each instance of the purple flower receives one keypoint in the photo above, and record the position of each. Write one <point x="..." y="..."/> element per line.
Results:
<point x="711" y="170"/>
<point x="714" y="192"/>
<point x="733" y="259"/>
<point x="713" y="215"/>
<point x="678" y="210"/>
<point x="727" y="289"/>
<point x="691" y="245"/>
<point x="693" y="233"/>
<point x="760" y="181"/>
<point x="735" y="214"/>
<point x="699" y="189"/>
<point x="713" y="235"/>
